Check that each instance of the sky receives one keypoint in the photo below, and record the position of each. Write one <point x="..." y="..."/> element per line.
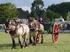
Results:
<point x="26" y="4"/>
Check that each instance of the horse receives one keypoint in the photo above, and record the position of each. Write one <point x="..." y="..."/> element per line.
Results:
<point x="37" y="29"/>
<point x="19" y="30"/>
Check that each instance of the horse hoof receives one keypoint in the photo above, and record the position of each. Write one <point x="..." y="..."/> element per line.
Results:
<point x="41" y="42"/>
<point x="21" y="46"/>
<point x="34" y="44"/>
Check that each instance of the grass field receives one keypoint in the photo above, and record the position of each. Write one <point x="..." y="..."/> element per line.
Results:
<point x="47" y="46"/>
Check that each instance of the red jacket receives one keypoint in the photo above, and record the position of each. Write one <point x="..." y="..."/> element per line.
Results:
<point x="55" y="28"/>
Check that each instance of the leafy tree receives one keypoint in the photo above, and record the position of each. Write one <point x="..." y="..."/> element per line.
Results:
<point x="68" y="16"/>
<point x="61" y="8"/>
<point x="50" y="15"/>
<point x="7" y="11"/>
<point x="37" y="8"/>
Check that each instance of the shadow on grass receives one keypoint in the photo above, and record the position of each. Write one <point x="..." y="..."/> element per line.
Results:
<point x="47" y="44"/>
<point x="7" y="46"/>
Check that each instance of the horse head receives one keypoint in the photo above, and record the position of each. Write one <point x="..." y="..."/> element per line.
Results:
<point x="9" y="25"/>
<point x="35" y="25"/>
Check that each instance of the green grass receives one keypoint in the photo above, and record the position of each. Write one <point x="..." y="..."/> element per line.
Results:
<point x="62" y="46"/>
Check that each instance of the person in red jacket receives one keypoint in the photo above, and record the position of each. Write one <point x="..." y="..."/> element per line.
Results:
<point x="55" y="33"/>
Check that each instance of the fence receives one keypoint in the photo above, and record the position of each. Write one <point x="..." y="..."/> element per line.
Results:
<point x="1" y="28"/>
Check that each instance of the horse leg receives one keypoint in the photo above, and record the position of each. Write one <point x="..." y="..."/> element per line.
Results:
<point x="24" y="43"/>
<point x="13" y="43"/>
<point x="19" y="39"/>
<point x="30" y="38"/>
<point x="34" y="42"/>
<point x="26" y="39"/>
<point x="41" y="39"/>
<point x="35" y="37"/>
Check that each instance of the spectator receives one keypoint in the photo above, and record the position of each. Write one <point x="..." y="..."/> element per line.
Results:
<point x="55" y="33"/>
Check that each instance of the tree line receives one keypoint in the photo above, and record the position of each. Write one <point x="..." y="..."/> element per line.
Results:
<point x="9" y="11"/>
